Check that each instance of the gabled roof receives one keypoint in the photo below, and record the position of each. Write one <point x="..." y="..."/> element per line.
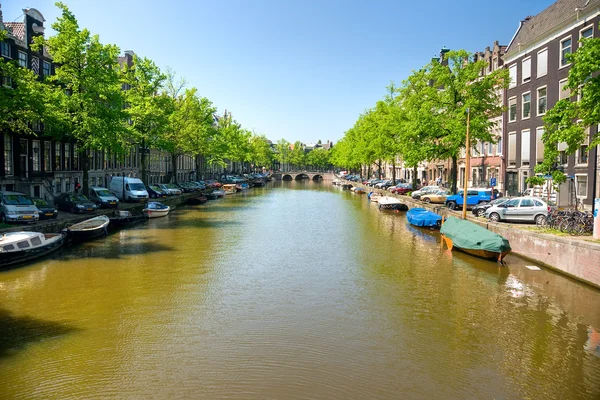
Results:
<point x="16" y="29"/>
<point x="544" y="22"/>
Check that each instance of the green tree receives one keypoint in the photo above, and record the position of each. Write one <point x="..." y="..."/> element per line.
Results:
<point x="318" y="158"/>
<point x="148" y="109"/>
<point x="568" y="121"/>
<point x="297" y="155"/>
<point x="283" y="153"/>
<point x="86" y="88"/>
<point x="261" y="154"/>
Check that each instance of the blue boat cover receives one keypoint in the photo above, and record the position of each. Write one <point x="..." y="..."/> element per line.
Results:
<point x="423" y="217"/>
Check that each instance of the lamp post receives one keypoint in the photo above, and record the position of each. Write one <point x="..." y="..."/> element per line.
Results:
<point x="467" y="166"/>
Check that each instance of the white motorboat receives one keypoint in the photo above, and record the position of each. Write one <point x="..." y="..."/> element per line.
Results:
<point x="374" y="197"/>
<point x="89" y="229"/>
<point x="154" y="209"/>
<point x="391" y="203"/>
<point x="19" y="247"/>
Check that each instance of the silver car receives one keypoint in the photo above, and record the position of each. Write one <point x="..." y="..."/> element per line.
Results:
<point x="528" y="209"/>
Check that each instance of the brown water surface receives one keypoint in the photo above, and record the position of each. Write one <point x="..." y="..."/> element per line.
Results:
<point x="296" y="291"/>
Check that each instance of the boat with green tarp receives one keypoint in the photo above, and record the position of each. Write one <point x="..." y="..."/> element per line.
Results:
<point x="474" y="239"/>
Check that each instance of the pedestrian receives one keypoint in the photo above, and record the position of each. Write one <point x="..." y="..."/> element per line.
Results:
<point x="77" y="187"/>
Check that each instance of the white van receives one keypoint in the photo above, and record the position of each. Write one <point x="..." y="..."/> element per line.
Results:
<point x="132" y="189"/>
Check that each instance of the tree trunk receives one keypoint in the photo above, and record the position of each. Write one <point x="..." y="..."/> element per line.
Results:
<point x="394" y="172"/>
<point x="85" y="166"/>
<point x="454" y="174"/>
<point x="379" y="170"/>
<point x="174" y="158"/>
<point x="198" y="165"/>
<point x="144" y="163"/>
<point x="415" y="177"/>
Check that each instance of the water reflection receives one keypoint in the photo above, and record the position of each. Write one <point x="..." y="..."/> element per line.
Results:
<point x="294" y="291"/>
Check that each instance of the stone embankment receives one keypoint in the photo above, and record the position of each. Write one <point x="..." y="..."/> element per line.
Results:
<point x="572" y="256"/>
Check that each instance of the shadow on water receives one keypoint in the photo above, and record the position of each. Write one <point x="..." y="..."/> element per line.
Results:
<point x="17" y="332"/>
<point x="195" y="223"/>
<point x="97" y="250"/>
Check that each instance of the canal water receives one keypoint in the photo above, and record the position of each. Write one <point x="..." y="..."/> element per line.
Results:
<point x="296" y="291"/>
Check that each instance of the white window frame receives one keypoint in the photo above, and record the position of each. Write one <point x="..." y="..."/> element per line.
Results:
<point x="537" y="100"/>
<point x="561" y="83"/>
<point x="516" y="149"/>
<point x="523" y="105"/>
<point x="516" y="109"/>
<point x="528" y="131"/>
<point x="537" y="69"/>
<point x="524" y="77"/>
<point x="560" y="51"/>
<point x="539" y="128"/>
<point x="513" y="83"/>
<point x="499" y="146"/>
<point x="585" y="29"/>
<point x="490" y="148"/>
<point x="577" y="186"/>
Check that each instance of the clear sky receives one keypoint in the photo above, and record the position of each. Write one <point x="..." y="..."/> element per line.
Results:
<point x="302" y="70"/>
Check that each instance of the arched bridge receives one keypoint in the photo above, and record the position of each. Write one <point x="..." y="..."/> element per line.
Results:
<point x="299" y="176"/>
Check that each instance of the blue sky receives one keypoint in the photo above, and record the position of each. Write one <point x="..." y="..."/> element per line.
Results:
<point x="302" y="70"/>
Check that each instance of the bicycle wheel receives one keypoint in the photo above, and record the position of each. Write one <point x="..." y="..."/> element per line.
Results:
<point x="543" y="222"/>
<point x="565" y="225"/>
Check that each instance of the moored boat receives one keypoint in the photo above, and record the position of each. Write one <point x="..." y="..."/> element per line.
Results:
<point x="88" y="229"/>
<point x="474" y="239"/>
<point x="346" y="186"/>
<point x="154" y="209"/>
<point x="358" y="190"/>
<point x="124" y="218"/>
<point x="391" y="203"/>
<point x="229" y="188"/>
<point x="19" y="247"/>
<point x="423" y="218"/>
<point x="374" y="196"/>
<point x="194" y="201"/>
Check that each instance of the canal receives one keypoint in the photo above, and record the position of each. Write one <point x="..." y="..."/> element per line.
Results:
<point x="296" y="291"/>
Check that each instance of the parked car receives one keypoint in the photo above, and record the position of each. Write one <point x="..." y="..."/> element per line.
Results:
<point x="474" y="197"/>
<point x="47" y="210"/>
<point x="17" y="207"/>
<point x="170" y="188"/>
<point x="436" y="197"/>
<point x="74" y="203"/>
<point x="479" y="209"/>
<point x="128" y="189"/>
<point x="384" y="184"/>
<point x="155" y="192"/>
<point x="185" y="187"/>
<point x="103" y="197"/>
<point x="528" y="209"/>
<point x="403" y="188"/>
<point x="424" y="190"/>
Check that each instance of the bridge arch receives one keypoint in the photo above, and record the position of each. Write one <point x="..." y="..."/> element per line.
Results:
<point x="287" y="177"/>
<point x="301" y="176"/>
<point x="317" y="177"/>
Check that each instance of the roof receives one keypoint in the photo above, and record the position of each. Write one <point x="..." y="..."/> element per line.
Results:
<point x="17" y="29"/>
<point x="544" y="22"/>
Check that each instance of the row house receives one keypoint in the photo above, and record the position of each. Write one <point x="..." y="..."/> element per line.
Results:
<point x="35" y="164"/>
<point x="536" y="60"/>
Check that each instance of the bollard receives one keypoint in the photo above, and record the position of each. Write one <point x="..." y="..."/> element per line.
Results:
<point x="597" y="219"/>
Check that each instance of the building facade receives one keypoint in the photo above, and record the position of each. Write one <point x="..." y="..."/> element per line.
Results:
<point x="536" y="60"/>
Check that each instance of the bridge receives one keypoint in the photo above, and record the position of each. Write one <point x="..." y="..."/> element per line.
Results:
<point x="302" y="175"/>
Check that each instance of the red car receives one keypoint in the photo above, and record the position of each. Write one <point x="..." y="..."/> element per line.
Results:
<point x="403" y="189"/>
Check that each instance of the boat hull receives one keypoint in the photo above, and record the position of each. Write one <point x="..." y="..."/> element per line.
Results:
<point x="156" y="213"/>
<point x="14" y="259"/>
<point x="489" y="255"/>
<point x="81" y="235"/>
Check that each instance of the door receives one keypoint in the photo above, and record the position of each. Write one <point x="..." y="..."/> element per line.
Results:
<point x="526" y="210"/>
<point x="23" y="158"/>
<point x="512" y="186"/>
<point x="511" y="210"/>
<point x="472" y="197"/>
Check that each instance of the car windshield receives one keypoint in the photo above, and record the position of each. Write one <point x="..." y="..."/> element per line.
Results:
<point x="155" y="188"/>
<point x="78" y="197"/>
<point x="103" y="193"/>
<point x="498" y="201"/>
<point x="40" y="202"/>
<point x="137" y="186"/>
<point x="17" y="199"/>
<point x="172" y="186"/>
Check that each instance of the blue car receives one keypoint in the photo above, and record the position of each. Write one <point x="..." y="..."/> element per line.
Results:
<point x="474" y="197"/>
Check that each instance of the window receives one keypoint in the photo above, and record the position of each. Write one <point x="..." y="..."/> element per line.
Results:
<point x="582" y="154"/>
<point x="587" y="32"/>
<point x="5" y="49"/>
<point x="46" y="70"/>
<point x="526" y="203"/>
<point x="499" y="146"/>
<point x="581" y="186"/>
<point x="36" y="126"/>
<point x="35" y="146"/>
<point x="58" y="185"/>
<point x="512" y="109"/>
<point x="512" y="73"/>
<point x="563" y="91"/>
<point x="512" y="203"/>
<point x="526" y="105"/>
<point x="67" y="156"/>
<point x="8" y="155"/>
<point x="563" y="158"/>
<point x="7" y="81"/>
<point x="525" y="142"/>
<point x="565" y="48"/>
<point x="57" y="160"/>
<point x="539" y="145"/>
<point x="22" y="59"/>
<point x="75" y="157"/>
<point x="47" y="156"/>
<point x="542" y="63"/>
<point x="490" y="149"/>
<point x="512" y="148"/>
<point x="542" y="101"/>
<point x="526" y="69"/>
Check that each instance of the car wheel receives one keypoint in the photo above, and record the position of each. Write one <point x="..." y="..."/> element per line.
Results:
<point x="481" y="212"/>
<point x="3" y="218"/>
<point x="452" y="205"/>
<point x="495" y="217"/>
<point x="540" y="220"/>
<point x="427" y="200"/>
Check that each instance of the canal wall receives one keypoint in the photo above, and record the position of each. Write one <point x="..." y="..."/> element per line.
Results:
<point x="65" y="219"/>
<point x="574" y="257"/>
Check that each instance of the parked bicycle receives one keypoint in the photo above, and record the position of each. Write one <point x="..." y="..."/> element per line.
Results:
<point x="569" y="221"/>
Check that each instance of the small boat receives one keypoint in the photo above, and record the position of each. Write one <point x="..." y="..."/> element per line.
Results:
<point x="242" y="186"/>
<point x="88" y="229"/>
<point x="123" y="218"/>
<point x="374" y="196"/>
<point x="346" y="186"/>
<point x="358" y="190"/>
<point x="474" y="239"/>
<point x="154" y="209"/>
<point x="229" y="188"/>
<point x="20" y="247"/>
<point x="391" y="203"/>
<point x="336" y="182"/>
<point x="194" y="201"/>
<point x="423" y="218"/>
